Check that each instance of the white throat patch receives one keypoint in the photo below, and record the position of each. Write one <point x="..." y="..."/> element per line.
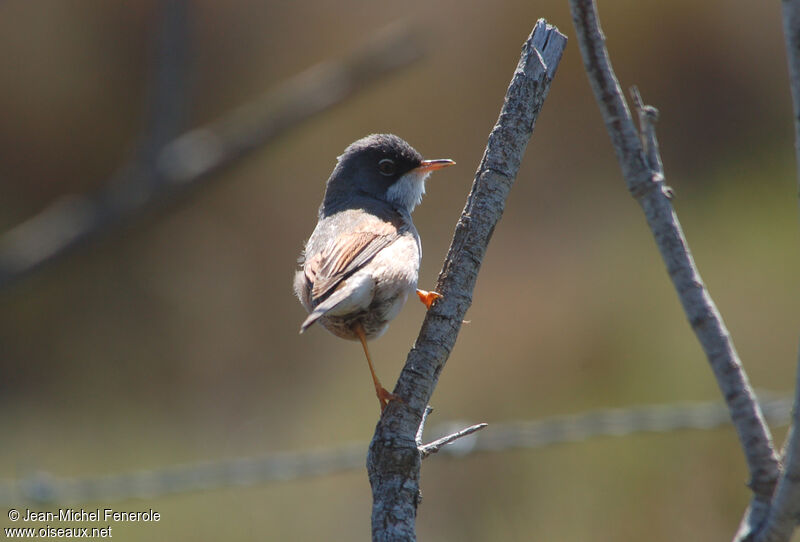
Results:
<point x="407" y="191"/>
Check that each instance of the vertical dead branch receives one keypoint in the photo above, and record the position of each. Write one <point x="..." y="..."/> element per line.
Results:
<point x="791" y="34"/>
<point x="642" y="172"/>
<point x="785" y="508"/>
<point x="394" y="459"/>
<point x="167" y="92"/>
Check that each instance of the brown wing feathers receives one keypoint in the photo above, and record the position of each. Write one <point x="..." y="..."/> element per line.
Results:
<point x="346" y="254"/>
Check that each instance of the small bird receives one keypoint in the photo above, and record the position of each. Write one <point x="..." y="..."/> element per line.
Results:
<point x="362" y="260"/>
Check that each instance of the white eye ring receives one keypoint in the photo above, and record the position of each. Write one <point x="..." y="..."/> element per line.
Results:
<point x="386" y="167"/>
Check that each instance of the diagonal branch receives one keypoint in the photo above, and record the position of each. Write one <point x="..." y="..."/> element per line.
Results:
<point x="646" y="183"/>
<point x="393" y="461"/>
<point x="165" y="166"/>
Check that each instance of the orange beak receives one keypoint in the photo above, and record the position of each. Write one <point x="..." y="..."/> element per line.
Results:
<point x="433" y="165"/>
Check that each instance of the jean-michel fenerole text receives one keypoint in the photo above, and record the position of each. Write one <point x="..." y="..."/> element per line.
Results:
<point x="94" y="515"/>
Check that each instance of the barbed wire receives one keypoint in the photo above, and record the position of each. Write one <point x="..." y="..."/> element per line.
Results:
<point x="44" y="488"/>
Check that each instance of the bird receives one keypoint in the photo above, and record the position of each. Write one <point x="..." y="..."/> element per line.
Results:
<point x="362" y="260"/>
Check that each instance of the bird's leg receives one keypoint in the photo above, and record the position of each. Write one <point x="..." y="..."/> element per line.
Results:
<point x="384" y="396"/>
<point x="428" y="298"/>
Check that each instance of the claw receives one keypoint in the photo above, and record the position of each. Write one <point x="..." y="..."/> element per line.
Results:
<point x="384" y="396"/>
<point x="428" y="298"/>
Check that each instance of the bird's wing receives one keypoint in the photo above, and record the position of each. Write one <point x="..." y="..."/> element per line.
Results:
<point x="347" y="253"/>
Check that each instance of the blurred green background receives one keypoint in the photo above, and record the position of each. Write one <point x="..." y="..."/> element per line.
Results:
<point x="174" y="339"/>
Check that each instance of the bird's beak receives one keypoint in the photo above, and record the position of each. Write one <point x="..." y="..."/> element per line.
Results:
<point x="433" y="165"/>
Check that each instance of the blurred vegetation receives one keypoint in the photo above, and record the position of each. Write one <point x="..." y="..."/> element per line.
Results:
<point x="175" y="339"/>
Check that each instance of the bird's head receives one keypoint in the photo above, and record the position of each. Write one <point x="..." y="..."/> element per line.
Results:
<point x="385" y="167"/>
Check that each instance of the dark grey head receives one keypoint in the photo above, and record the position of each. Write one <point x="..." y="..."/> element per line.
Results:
<point x="381" y="166"/>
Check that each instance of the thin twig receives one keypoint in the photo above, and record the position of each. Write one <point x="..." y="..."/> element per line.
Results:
<point x="431" y="448"/>
<point x="421" y="429"/>
<point x="168" y="167"/>
<point x="646" y="184"/>
<point x="393" y="461"/>
<point x="438" y="444"/>
<point x="648" y="116"/>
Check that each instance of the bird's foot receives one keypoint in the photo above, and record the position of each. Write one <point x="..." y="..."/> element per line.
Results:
<point x="384" y="396"/>
<point x="428" y="298"/>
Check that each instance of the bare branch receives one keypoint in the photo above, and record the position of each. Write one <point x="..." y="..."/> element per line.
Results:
<point x="165" y="167"/>
<point x="645" y="182"/>
<point x="393" y="461"/>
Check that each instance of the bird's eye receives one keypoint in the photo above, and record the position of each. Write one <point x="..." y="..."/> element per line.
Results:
<point x="386" y="167"/>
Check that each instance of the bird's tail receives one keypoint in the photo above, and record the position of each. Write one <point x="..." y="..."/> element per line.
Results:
<point x="356" y="296"/>
<point x="313" y="317"/>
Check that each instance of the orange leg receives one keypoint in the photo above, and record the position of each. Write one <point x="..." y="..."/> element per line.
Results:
<point x="384" y="396"/>
<point x="428" y="298"/>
